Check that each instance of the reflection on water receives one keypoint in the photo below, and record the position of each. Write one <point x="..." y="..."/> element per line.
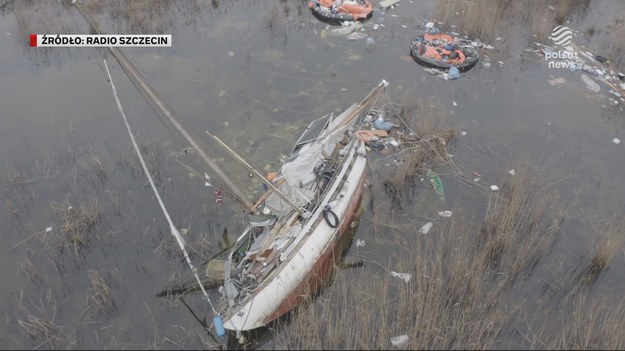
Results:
<point x="255" y="73"/>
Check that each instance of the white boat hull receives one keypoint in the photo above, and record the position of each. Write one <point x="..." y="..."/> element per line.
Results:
<point x="305" y="270"/>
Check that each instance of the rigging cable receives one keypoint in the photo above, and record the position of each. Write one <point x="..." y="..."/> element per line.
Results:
<point x="174" y="231"/>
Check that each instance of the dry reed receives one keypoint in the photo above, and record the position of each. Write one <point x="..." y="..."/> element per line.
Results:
<point x="77" y="225"/>
<point x="100" y="300"/>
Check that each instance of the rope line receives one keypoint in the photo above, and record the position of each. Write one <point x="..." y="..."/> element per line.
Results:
<point x="172" y="228"/>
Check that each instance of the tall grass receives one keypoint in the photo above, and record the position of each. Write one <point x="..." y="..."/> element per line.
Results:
<point x="466" y="277"/>
<point x="457" y="297"/>
<point x="487" y="20"/>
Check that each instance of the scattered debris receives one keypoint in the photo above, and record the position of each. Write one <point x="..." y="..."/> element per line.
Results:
<point x="590" y="84"/>
<point x="601" y="59"/>
<point x="370" y="41"/>
<point x="405" y="276"/>
<point x="616" y="141"/>
<point x="381" y="124"/>
<point x="230" y="53"/>
<point x="399" y="340"/>
<point x="393" y="142"/>
<point x="454" y="72"/>
<point x="511" y="172"/>
<point x="360" y="243"/>
<point x="386" y="4"/>
<point x="49" y="229"/>
<point x="356" y="36"/>
<point x="445" y="213"/>
<point x="494" y="187"/>
<point x="433" y="71"/>
<point x="557" y="82"/>
<point x="426" y="228"/>
<point x="576" y="58"/>
<point x="455" y="103"/>
<point x="380" y="133"/>
<point x="463" y="133"/>
<point x="437" y="183"/>
<point x="346" y="28"/>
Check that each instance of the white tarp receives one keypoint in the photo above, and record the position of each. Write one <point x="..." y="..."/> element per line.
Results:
<point x="300" y="180"/>
<point x="300" y="185"/>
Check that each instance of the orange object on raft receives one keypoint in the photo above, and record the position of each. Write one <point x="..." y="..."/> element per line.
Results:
<point x="442" y="50"/>
<point x="337" y="11"/>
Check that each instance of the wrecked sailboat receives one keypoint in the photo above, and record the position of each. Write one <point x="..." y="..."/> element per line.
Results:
<point x="285" y="253"/>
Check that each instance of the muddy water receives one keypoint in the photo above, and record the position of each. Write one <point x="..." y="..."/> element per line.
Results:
<point x="254" y="74"/>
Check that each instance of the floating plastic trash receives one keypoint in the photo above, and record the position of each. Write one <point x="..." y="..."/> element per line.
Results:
<point x="433" y="71"/>
<point x="590" y="84"/>
<point x="556" y="82"/>
<point x="388" y="3"/>
<point x="592" y="71"/>
<point x="381" y="124"/>
<point x="426" y="228"/>
<point x="573" y="67"/>
<point x="360" y="243"/>
<point x="219" y="326"/>
<point x="405" y="276"/>
<point x="437" y="183"/>
<point x="511" y="172"/>
<point x="601" y="59"/>
<point x="49" y="229"/>
<point x="356" y="36"/>
<point x="454" y="73"/>
<point x="399" y="340"/>
<point x="393" y="142"/>
<point x="494" y="187"/>
<point x="370" y="41"/>
<point x="445" y="213"/>
<point x="616" y="141"/>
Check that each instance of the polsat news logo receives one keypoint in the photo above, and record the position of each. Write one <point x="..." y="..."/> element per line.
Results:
<point x="96" y="40"/>
<point x="561" y="35"/>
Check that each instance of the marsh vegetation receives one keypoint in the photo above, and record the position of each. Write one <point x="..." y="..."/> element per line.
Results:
<point x="536" y="264"/>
